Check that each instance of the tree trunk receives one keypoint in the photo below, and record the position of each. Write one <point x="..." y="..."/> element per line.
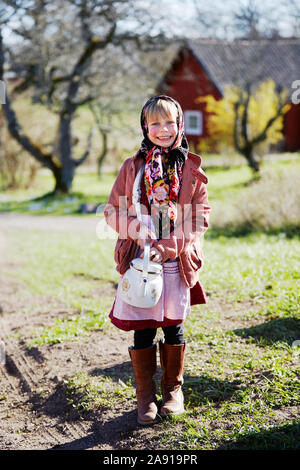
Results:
<point x="65" y="172"/>
<point x="252" y="161"/>
<point x="63" y="179"/>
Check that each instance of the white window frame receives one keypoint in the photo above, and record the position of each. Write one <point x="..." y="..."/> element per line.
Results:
<point x="199" y="118"/>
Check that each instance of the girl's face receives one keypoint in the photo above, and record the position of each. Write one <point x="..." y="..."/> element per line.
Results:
<point x="162" y="130"/>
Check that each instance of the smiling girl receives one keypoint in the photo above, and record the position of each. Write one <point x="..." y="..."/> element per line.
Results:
<point x="172" y="180"/>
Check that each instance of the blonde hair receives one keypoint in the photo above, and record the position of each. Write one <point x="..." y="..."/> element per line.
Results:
<point x="161" y="107"/>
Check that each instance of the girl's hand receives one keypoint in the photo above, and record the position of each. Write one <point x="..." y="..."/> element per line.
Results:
<point x="155" y="255"/>
<point x="145" y="235"/>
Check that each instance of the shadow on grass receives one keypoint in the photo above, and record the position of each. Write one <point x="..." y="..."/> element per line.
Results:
<point x="285" y="437"/>
<point x="60" y="403"/>
<point x="111" y="432"/>
<point x="105" y="426"/>
<point x="203" y="389"/>
<point x="273" y="331"/>
<point x="197" y="390"/>
<point x="54" y="203"/>
<point x="122" y="371"/>
<point x="113" y="425"/>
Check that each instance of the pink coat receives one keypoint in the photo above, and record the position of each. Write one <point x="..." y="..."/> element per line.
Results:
<point x="192" y="221"/>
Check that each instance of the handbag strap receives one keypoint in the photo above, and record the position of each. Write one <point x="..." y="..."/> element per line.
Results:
<point x="136" y="196"/>
<point x="136" y="192"/>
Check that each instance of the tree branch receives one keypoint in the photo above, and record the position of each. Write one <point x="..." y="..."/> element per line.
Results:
<point x="87" y="152"/>
<point x="94" y="44"/>
<point x="244" y="129"/>
<point x="263" y="135"/>
<point x="46" y="159"/>
<point x="237" y="105"/>
<point x="103" y="133"/>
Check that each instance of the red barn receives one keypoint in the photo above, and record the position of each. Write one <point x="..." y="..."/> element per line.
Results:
<point x="204" y="67"/>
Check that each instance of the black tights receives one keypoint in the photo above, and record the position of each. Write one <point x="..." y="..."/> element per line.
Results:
<point x="144" y="338"/>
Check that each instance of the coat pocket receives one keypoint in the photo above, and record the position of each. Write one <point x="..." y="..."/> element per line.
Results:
<point x="195" y="257"/>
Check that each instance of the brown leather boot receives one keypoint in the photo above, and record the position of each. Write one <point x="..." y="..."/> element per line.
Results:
<point x="144" y="367"/>
<point x="171" y="359"/>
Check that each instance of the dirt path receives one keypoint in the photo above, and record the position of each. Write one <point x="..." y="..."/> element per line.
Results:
<point x="34" y="413"/>
<point x="35" y="222"/>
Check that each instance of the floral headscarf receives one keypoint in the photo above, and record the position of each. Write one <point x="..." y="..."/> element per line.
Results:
<point x="163" y="171"/>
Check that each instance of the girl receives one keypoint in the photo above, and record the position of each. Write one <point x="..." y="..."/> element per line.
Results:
<point x="175" y="214"/>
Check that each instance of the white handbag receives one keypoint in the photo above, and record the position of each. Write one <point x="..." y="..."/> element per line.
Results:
<point x="142" y="283"/>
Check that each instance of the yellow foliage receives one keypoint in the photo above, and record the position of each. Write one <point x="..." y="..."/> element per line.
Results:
<point x="263" y="104"/>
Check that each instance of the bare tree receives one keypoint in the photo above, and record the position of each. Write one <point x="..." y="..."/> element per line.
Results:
<point x="292" y="9"/>
<point x="244" y="142"/>
<point x="74" y="52"/>
<point x="247" y="20"/>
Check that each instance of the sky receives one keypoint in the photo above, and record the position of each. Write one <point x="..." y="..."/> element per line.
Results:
<point x="179" y="16"/>
<point x="277" y="12"/>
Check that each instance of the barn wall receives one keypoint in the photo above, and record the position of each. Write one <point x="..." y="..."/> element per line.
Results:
<point x="187" y="80"/>
<point x="292" y="129"/>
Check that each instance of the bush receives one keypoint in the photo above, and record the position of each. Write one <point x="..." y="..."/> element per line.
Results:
<point x="269" y="204"/>
<point x="17" y="168"/>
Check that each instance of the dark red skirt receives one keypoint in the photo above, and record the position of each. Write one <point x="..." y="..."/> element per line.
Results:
<point x="197" y="297"/>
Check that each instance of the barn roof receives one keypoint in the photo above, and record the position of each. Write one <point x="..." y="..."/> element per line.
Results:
<point x="240" y="61"/>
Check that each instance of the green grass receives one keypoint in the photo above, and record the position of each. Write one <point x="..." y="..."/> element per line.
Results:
<point x="85" y="393"/>
<point x="87" y="188"/>
<point x="78" y="269"/>
<point x="262" y="268"/>
<point x="242" y="369"/>
<point x="237" y="379"/>
<point x="70" y="329"/>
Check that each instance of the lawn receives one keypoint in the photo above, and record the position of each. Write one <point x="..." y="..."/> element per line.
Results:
<point x="87" y="188"/>
<point x="242" y="369"/>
